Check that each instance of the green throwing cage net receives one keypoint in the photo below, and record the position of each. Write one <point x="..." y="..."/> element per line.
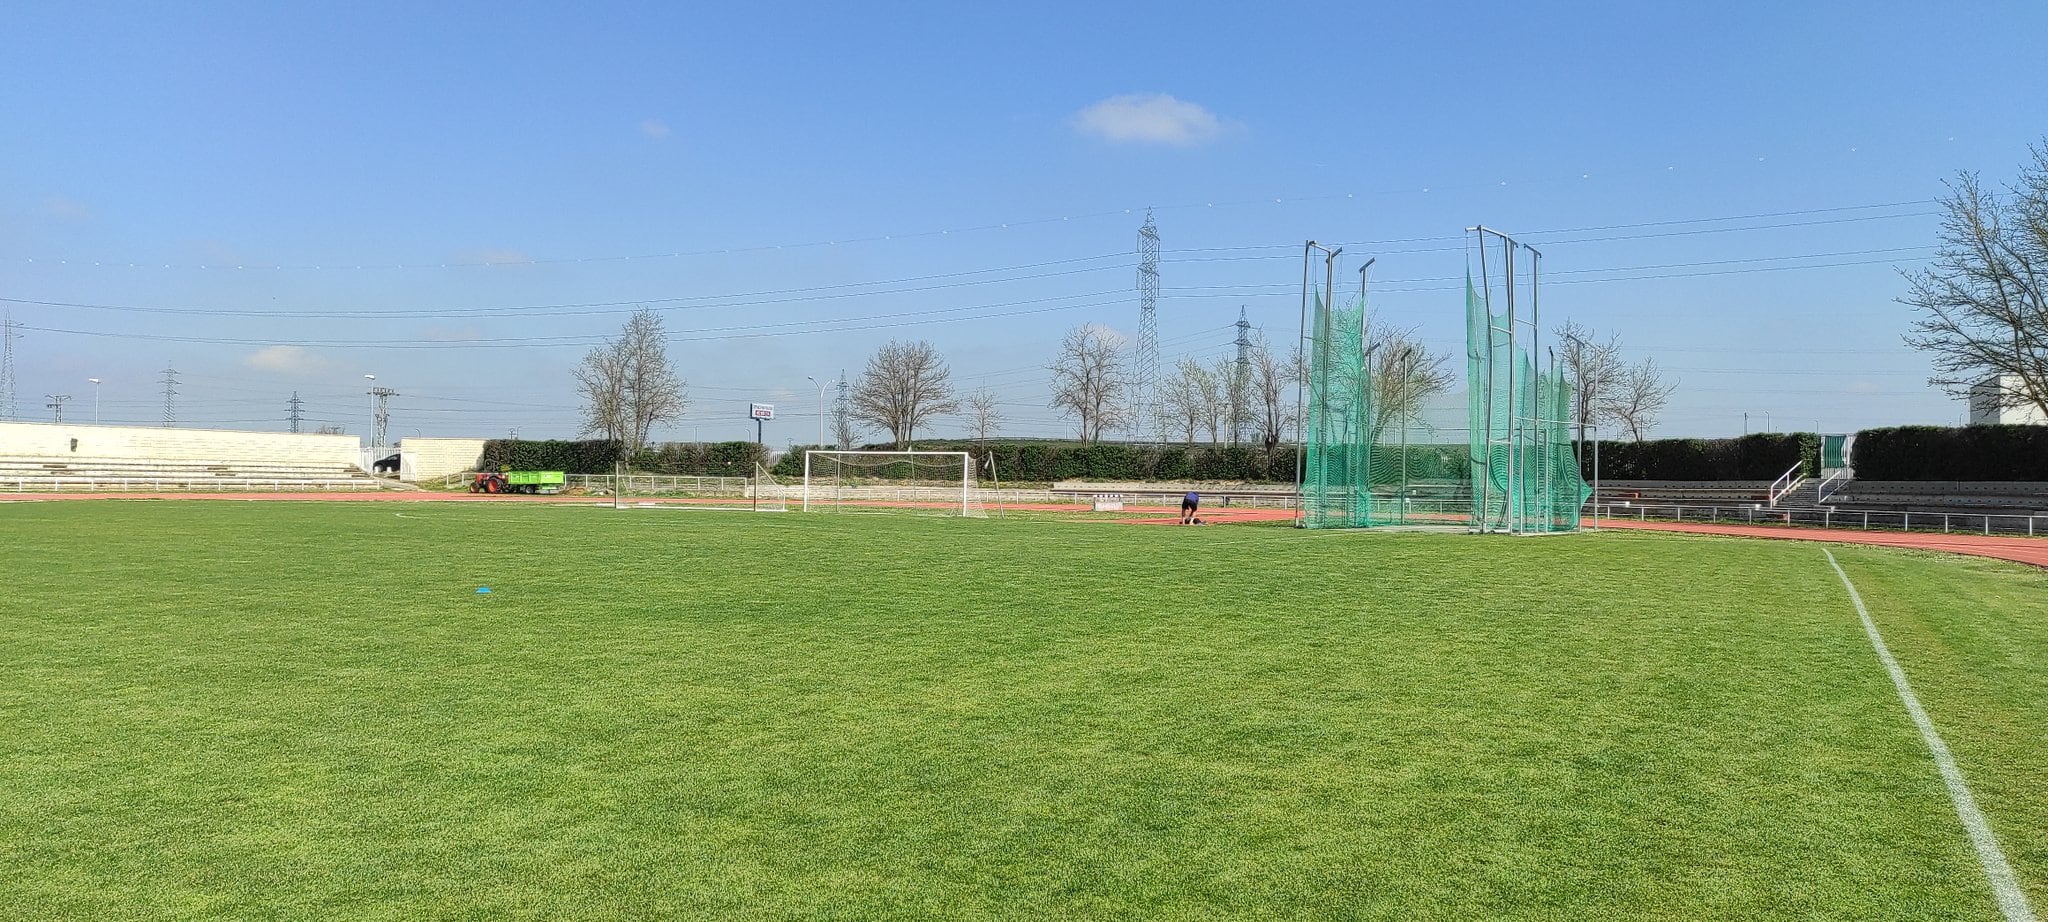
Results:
<point x="1380" y="448"/>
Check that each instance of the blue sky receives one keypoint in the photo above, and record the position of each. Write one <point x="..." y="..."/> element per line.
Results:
<point x="280" y="197"/>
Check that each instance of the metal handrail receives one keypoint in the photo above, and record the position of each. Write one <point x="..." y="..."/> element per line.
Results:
<point x="1789" y="479"/>
<point x="2034" y="524"/>
<point x="1840" y="475"/>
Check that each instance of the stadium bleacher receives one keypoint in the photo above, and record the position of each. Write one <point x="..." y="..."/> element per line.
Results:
<point x="1684" y="492"/>
<point x="36" y="457"/>
<point x="34" y="475"/>
<point x="1938" y="496"/>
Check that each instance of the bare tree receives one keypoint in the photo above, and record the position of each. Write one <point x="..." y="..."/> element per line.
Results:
<point x="1270" y="378"/>
<point x="1984" y="301"/>
<point x="1238" y="389"/>
<point x="1177" y="404"/>
<point x="1405" y="377"/>
<point x="903" y="387"/>
<point x="1640" y="398"/>
<point x="601" y="380"/>
<point x="628" y="385"/>
<point x="654" y="393"/>
<point x="1595" y="370"/>
<point x="1212" y="386"/>
<point x="1089" y="381"/>
<point x="982" y="415"/>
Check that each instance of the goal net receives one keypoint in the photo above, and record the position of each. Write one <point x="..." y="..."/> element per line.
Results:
<point x="916" y="482"/>
<point x="767" y="493"/>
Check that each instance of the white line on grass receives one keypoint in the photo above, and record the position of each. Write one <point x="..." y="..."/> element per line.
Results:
<point x="2011" y="899"/>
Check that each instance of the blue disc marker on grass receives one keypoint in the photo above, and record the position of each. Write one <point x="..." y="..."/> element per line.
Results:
<point x="483" y="589"/>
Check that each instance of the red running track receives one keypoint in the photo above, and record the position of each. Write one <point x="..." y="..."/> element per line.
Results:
<point x="2020" y="550"/>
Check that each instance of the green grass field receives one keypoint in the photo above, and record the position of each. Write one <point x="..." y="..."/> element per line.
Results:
<point x="298" y="710"/>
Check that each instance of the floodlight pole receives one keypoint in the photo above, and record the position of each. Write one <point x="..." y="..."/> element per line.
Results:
<point x="1486" y="437"/>
<point x="1365" y="372"/>
<point x="1361" y="406"/>
<point x="1301" y="406"/>
<point x="1407" y="377"/>
<point x="1515" y="497"/>
<point x="1596" y="477"/>
<point x="821" y="410"/>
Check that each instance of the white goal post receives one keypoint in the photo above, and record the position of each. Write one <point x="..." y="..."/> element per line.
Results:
<point x="927" y="480"/>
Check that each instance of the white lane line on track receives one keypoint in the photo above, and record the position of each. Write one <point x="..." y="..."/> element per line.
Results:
<point x="2011" y="899"/>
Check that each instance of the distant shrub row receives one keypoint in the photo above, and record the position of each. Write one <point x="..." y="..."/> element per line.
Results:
<point x="1761" y="456"/>
<point x="595" y="456"/>
<point x="1902" y="453"/>
<point x="1051" y="461"/>
<point x="1946" y="453"/>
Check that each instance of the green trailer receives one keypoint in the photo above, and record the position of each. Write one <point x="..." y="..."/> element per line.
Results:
<point x="520" y="482"/>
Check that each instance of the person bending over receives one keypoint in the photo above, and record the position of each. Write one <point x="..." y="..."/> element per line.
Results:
<point x="1188" y="505"/>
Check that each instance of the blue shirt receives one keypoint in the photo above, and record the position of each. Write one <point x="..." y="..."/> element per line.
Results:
<point x="1192" y="498"/>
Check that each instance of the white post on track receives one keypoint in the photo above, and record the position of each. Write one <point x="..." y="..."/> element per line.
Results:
<point x="807" y="481"/>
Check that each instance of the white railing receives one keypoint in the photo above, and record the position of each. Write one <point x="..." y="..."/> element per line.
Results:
<point x="1837" y="479"/>
<point x="178" y="484"/>
<point x="636" y="483"/>
<point x="1790" y="480"/>
<point x="1987" y="523"/>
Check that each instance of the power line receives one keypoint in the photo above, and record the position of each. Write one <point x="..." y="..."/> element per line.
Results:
<point x="679" y="302"/>
<point x="829" y="325"/>
<point x="826" y="292"/>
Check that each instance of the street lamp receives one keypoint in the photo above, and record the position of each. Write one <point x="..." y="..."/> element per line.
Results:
<point x="95" y="400"/>
<point x="821" y="409"/>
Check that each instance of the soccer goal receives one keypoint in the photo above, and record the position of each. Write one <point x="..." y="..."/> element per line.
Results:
<point x="767" y="493"/>
<point x="926" y="482"/>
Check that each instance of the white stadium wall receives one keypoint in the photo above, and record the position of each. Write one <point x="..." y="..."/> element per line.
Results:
<point x="432" y="459"/>
<point x="66" y="441"/>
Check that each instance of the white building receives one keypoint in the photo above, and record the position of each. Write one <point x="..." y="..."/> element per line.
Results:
<point x="1986" y="409"/>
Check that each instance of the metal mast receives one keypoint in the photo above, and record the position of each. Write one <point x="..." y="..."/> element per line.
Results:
<point x="382" y="395"/>
<point x="1147" y="372"/>
<point x="840" y="409"/>
<point x="7" y="406"/>
<point x="56" y="406"/>
<point x="170" y="396"/>
<point x="296" y="415"/>
<point x="1241" y="383"/>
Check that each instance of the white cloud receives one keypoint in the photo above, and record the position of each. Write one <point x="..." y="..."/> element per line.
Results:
<point x="1149" y="118"/>
<point x="497" y="257"/>
<point x="290" y="360"/>
<point x="654" y="128"/>
<point x="67" y="209"/>
<point x="1109" y="334"/>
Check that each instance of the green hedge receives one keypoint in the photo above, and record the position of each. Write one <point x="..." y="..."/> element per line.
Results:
<point x="588" y="456"/>
<point x="595" y="456"/>
<point x="720" y="459"/>
<point x="1949" y="453"/>
<point x="1050" y="461"/>
<point x="1762" y="456"/>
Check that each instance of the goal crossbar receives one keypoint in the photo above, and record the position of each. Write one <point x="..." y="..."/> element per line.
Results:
<point x="965" y="459"/>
